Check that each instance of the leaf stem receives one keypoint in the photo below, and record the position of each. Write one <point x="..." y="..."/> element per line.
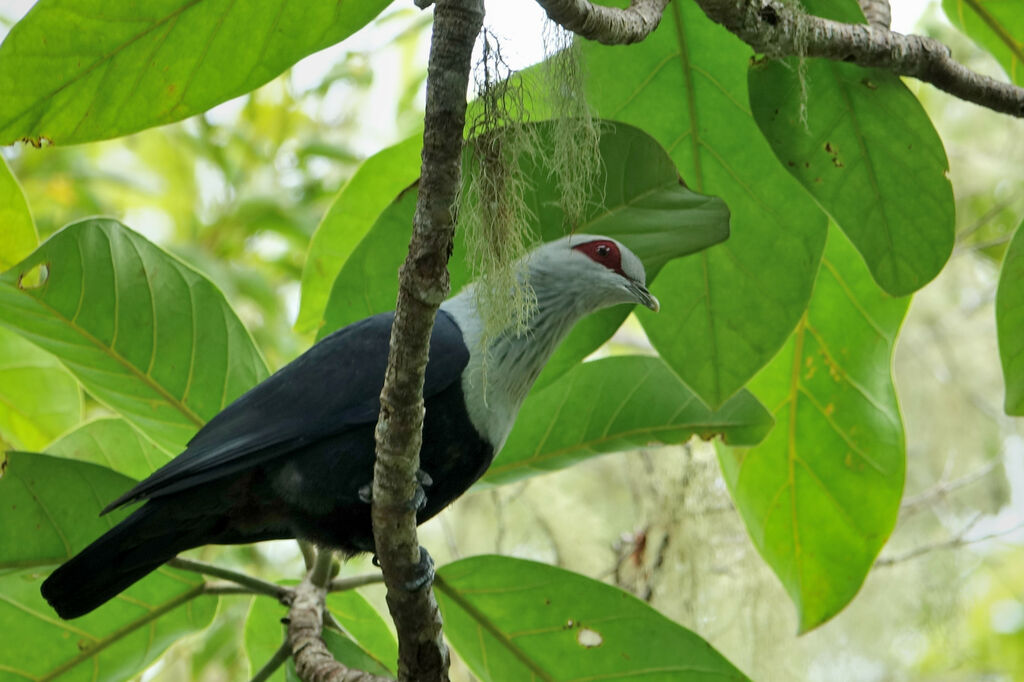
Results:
<point x="253" y="583"/>
<point x="271" y="666"/>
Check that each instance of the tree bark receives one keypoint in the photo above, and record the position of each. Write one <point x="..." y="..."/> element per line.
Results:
<point x="607" y="25"/>
<point x="782" y="30"/>
<point x="313" y="661"/>
<point x="423" y="285"/>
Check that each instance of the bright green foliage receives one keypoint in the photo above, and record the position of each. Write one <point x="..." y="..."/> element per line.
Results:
<point x="17" y="231"/>
<point x="142" y="331"/>
<point x="820" y="495"/>
<point x="728" y="310"/>
<point x="861" y="144"/>
<point x="515" y="620"/>
<point x="58" y="503"/>
<point x="39" y="399"/>
<point x="996" y="25"/>
<point x="75" y="71"/>
<point x="367" y="193"/>
<point x="1010" y="323"/>
<point x="115" y="444"/>
<point x="372" y="647"/>
<point x="870" y="156"/>
<point x="638" y="200"/>
<point x="614" y="404"/>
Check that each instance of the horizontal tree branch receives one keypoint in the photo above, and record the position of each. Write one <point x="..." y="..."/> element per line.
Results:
<point x="607" y="25"/>
<point x="781" y="30"/>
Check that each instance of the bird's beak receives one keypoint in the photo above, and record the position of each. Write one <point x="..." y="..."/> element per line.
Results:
<point x="644" y="297"/>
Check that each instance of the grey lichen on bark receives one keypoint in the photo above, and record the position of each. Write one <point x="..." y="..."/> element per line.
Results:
<point x="423" y="285"/>
<point x="607" y="25"/>
<point x="780" y="29"/>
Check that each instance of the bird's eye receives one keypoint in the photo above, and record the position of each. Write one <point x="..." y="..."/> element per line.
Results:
<point x="605" y="252"/>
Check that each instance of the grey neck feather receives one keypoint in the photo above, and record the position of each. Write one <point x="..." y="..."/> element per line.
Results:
<point x="496" y="387"/>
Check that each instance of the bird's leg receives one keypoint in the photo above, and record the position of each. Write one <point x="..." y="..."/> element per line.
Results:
<point x="419" y="496"/>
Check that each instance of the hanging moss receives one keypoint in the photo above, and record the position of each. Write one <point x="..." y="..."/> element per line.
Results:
<point x="574" y="158"/>
<point x="492" y="210"/>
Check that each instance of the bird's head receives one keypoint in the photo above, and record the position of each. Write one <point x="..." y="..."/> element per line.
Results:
<point x="599" y="271"/>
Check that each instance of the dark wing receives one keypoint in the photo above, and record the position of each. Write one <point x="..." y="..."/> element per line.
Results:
<point x="332" y="387"/>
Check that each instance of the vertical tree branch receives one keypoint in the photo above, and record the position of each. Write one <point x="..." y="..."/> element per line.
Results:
<point x="423" y="285"/>
<point x="877" y="12"/>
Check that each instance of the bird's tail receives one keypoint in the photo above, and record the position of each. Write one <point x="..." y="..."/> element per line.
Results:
<point x="123" y="555"/>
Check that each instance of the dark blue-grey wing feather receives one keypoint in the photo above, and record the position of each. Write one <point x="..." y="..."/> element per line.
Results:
<point x="332" y="387"/>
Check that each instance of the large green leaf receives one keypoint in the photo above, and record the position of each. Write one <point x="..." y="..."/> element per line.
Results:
<point x="39" y="399"/>
<point x="821" y="494"/>
<point x="378" y="181"/>
<point x="51" y="510"/>
<point x="511" y="619"/>
<point x="862" y="145"/>
<point x="142" y="331"/>
<point x="17" y="230"/>
<point x="618" y="403"/>
<point x="115" y="444"/>
<point x="996" y="25"/>
<point x="1010" y="323"/>
<point x="372" y="646"/>
<point x="81" y="70"/>
<point x="638" y="199"/>
<point x="728" y="310"/>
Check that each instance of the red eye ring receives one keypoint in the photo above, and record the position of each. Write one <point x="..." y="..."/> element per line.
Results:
<point x="605" y="252"/>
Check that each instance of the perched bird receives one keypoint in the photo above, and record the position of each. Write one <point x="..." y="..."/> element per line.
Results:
<point x="293" y="457"/>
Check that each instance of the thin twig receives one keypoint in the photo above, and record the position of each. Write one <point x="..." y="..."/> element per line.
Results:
<point x="351" y="583"/>
<point x="912" y="505"/>
<point x="308" y="553"/>
<point x="959" y="540"/>
<point x="271" y="666"/>
<point x="607" y="25"/>
<point x="253" y="583"/>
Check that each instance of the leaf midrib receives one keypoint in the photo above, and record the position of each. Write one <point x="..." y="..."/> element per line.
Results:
<point x="484" y="622"/>
<point x="997" y="28"/>
<point x="100" y="60"/>
<point x="118" y="358"/>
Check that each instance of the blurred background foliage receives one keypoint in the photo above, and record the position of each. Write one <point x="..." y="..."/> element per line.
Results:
<point x="238" y="192"/>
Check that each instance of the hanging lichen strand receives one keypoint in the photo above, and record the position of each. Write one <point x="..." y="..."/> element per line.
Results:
<point x="492" y="209"/>
<point x="574" y="155"/>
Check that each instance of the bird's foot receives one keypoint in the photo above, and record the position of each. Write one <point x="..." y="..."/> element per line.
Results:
<point x="423" y="572"/>
<point x="419" y="497"/>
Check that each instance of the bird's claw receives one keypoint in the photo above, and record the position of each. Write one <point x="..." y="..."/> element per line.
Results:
<point x="423" y="478"/>
<point x="424" y="572"/>
<point x="419" y="498"/>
